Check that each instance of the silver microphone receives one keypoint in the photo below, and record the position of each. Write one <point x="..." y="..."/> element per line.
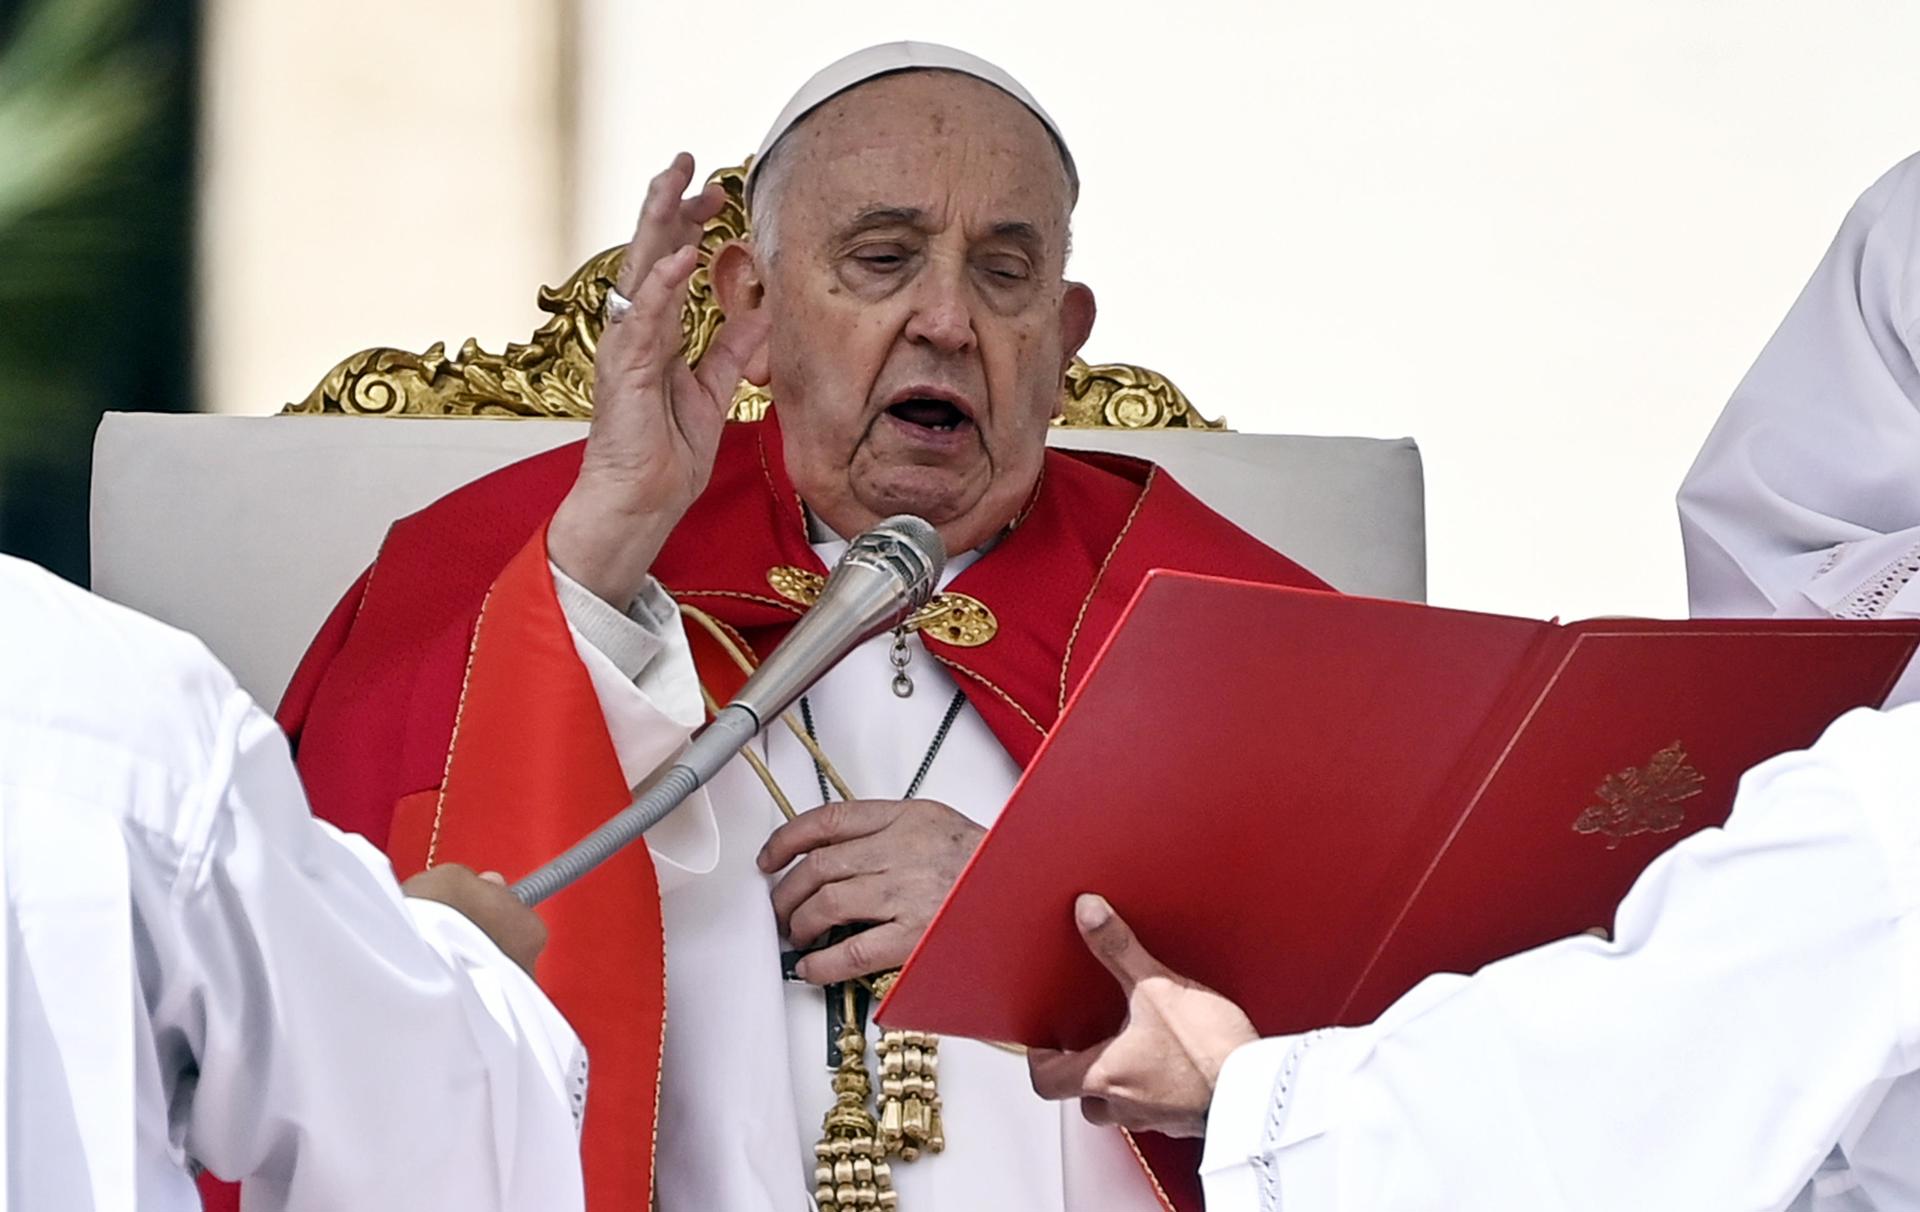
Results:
<point x="885" y="575"/>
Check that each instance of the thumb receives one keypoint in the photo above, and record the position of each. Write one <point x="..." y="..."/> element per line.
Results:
<point x="1112" y="941"/>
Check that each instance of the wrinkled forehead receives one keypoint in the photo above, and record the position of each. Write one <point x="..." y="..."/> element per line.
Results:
<point x="925" y="140"/>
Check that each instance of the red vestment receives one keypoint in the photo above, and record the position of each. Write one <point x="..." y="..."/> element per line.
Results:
<point x="442" y="710"/>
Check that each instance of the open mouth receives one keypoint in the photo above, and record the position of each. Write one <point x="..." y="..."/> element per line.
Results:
<point x="940" y="416"/>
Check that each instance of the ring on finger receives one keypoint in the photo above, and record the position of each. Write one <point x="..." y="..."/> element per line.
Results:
<point x="618" y="305"/>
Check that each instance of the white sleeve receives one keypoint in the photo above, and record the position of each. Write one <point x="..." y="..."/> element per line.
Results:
<point x="643" y="676"/>
<point x="1805" y="499"/>
<point x="1762" y="989"/>
<point x="353" y="1049"/>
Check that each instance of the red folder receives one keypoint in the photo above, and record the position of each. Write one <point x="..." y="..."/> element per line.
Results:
<point x="1310" y="802"/>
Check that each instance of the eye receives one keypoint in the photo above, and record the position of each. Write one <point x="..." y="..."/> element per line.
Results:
<point x="1006" y="269"/>
<point x="880" y="258"/>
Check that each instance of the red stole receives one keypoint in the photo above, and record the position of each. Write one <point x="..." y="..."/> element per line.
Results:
<point x="442" y="710"/>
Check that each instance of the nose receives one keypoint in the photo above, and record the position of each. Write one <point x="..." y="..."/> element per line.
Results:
<point x="942" y="313"/>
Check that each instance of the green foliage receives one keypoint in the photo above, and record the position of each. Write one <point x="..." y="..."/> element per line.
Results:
<point x="95" y="147"/>
<point x="77" y="94"/>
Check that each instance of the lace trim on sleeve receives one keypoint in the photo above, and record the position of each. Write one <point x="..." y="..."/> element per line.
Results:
<point x="1263" y="1161"/>
<point x="577" y="1088"/>
<point x="1871" y="600"/>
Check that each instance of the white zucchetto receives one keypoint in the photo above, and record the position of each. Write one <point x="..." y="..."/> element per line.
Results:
<point x="891" y="58"/>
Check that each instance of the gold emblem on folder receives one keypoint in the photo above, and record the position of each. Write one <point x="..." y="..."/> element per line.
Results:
<point x="951" y="618"/>
<point x="1643" y="799"/>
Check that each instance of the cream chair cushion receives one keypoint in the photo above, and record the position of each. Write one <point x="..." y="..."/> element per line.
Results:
<point x="245" y="530"/>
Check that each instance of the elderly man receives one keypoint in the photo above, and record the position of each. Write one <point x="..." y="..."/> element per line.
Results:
<point x="525" y="650"/>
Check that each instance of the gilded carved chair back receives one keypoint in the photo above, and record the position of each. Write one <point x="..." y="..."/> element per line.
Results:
<point x="551" y="374"/>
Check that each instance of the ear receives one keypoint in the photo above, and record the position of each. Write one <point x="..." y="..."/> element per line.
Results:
<point x="1076" y="322"/>
<point x="736" y="284"/>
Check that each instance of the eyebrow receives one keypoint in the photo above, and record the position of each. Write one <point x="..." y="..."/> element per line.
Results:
<point x="1020" y="230"/>
<point x="883" y="216"/>
<point x="874" y="217"/>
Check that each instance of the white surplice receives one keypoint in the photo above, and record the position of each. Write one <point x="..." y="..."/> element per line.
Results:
<point x="195" y="970"/>
<point x="1758" y="1006"/>
<point x="745" y="1084"/>
<point x="1805" y="500"/>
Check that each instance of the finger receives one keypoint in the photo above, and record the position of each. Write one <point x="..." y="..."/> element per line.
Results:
<point x="820" y="868"/>
<point x="646" y="341"/>
<point x="668" y="188"/>
<point x="864" y="899"/>
<point x="1060" y="1075"/>
<point x="700" y="209"/>
<point x="518" y="931"/>
<point x="734" y="343"/>
<point x="637" y="352"/>
<point x="875" y="949"/>
<point x="840" y="821"/>
<point x="657" y="228"/>
<point x="1097" y="1111"/>
<point x="1113" y="943"/>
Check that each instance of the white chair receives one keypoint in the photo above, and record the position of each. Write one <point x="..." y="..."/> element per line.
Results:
<point x="245" y="530"/>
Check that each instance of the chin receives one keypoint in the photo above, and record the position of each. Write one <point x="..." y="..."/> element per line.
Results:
<point x="963" y="521"/>
<point x="936" y="494"/>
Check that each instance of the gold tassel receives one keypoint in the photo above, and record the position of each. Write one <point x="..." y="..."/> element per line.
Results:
<point x="909" y="1063"/>
<point x="850" y="1170"/>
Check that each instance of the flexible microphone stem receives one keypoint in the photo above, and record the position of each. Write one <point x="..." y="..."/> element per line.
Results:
<point x="712" y="749"/>
<point x="885" y="575"/>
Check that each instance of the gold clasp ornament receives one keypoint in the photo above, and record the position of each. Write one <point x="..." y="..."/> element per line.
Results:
<point x="951" y="618"/>
<point x="1643" y="799"/>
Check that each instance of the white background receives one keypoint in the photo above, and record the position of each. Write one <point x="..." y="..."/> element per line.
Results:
<point x="1545" y="239"/>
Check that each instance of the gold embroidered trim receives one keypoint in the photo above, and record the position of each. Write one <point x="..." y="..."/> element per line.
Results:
<point x="1006" y="698"/>
<point x="799" y="505"/>
<point x="744" y="597"/>
<point x="366" y="590"/>
<point x="1033" y="500"/>
<point x="739" y="639"/>
<point x="1159" y="1192"/>
<point x="453" y="741"/>
<point x="1074" y="636"/>
<point x="659" y="1068"/>
<point x="952" y="618"/>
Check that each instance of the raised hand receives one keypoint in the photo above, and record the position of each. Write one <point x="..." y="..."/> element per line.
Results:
<point x="656" y="422"/>
<point x="1158" y="1073"/>
<point x="885" y="864"/>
